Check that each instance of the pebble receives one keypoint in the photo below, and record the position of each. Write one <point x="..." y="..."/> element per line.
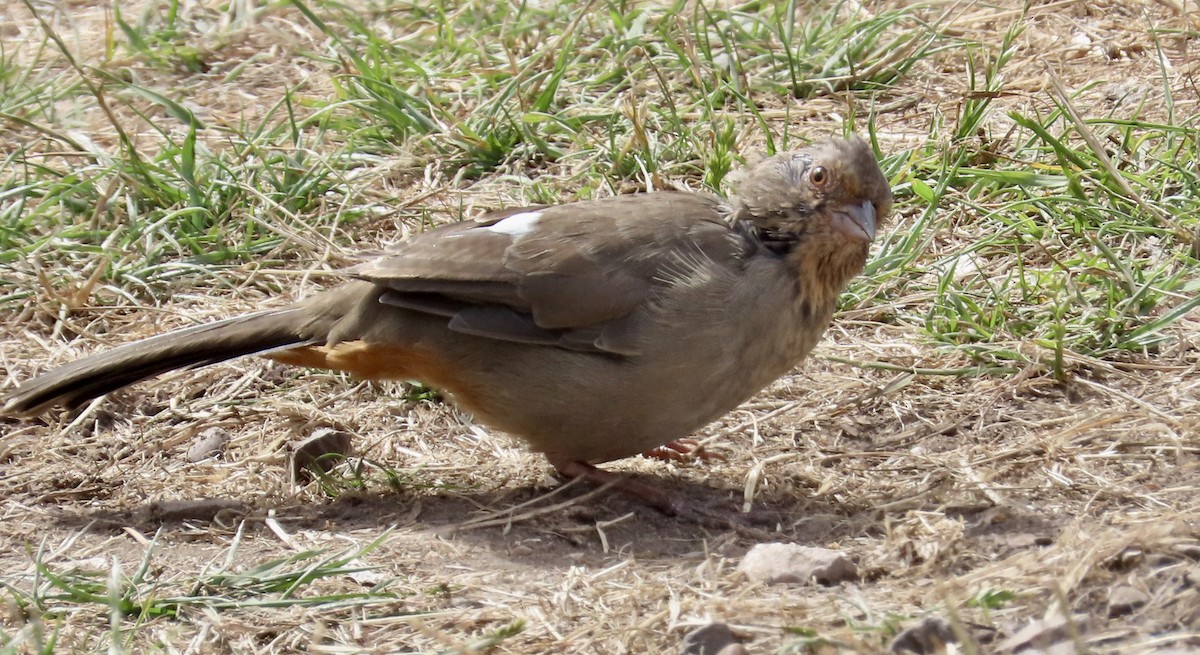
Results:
<point x="928" y="637"/>
<point x="311" y="452"/>
<point x="783" y="563"/>
<point x="712" y="639"/>
<point x="208" y="443"/>
<point x="1124" y="600"/>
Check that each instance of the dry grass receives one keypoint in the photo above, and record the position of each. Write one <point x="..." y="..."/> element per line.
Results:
<point x="990" y="499"/>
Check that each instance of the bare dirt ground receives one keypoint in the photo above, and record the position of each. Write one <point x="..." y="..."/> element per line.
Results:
<point x="940" y="488"/>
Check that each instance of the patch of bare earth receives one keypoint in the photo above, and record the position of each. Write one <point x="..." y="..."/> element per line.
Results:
<point x="940" y="487"/>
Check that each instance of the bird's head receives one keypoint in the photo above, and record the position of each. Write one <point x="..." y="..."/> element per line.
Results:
<point x="831" y="195"/>
<point x="819" y="209"/>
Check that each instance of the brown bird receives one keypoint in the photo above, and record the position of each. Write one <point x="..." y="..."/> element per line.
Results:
<point x="593" y="331"/>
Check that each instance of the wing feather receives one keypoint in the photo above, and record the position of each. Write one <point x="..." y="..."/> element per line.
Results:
<point x="569" y="276"/>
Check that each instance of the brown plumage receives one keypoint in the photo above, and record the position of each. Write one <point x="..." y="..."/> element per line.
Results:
<point x="593" y="331"/>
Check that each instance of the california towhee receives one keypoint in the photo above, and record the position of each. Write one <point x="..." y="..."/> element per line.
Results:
<point x="593" y="330"/>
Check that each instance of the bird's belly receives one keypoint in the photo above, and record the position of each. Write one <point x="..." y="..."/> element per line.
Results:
<point x="579" y="408"/>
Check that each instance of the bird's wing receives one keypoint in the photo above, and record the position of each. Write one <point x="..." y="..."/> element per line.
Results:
<point x="569" y="276"/>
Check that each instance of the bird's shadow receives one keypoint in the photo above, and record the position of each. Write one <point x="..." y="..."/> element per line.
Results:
<point x="569" y="518"/>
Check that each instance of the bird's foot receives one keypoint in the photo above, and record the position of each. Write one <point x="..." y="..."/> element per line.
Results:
<point x="682" y="450"/>
<point x="655" y="498"/>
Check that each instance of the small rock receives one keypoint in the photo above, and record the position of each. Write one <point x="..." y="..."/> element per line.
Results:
<point x="520" y="550"/>
<point x="192" y="509"/>
<point x="813" y="528"/>
<point x="776" y="563"/>
<point x="925" y="638"/>
<point x="208" y="443"/>
<point x="712" y="639"/>
<point x="320" y="451"/>
<point x="1124" y="600"/>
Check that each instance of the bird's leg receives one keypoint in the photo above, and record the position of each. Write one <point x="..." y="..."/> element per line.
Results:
<point x="655" y="498"/>
<point x="682" y="450"/>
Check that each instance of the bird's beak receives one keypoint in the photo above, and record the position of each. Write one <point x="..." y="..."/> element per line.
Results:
<point x="856" y="222"/>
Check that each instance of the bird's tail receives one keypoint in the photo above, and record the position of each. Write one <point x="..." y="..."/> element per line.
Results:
<point x="87" y="378"/>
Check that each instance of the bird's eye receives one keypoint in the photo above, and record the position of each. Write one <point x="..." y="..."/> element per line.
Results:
<point x="819" y="176"/>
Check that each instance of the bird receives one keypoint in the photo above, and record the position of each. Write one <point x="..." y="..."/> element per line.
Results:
<point x="592" y="331"/>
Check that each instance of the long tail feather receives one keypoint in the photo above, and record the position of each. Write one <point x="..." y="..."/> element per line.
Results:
<point x="84" y="379"/>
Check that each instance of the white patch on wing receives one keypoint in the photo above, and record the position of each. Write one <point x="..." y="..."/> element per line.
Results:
<point x="517" y="224"/>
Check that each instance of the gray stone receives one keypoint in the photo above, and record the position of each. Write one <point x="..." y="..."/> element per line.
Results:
<point x="925" y="638"/>
<point x="321" y="451"/>
<point x="780" y="563"/>
<point x="208" y="443"/>
<point x="1124" y="600"/>
<point x="712" y="639"/>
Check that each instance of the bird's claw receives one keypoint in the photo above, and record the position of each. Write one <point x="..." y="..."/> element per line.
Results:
<point x="682" y="450"/>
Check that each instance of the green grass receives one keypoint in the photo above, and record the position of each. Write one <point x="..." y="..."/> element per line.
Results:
<point x="133" y="598"/>
<point x="1072" y="256"/>
<point x="130" y="599"/>
<point x="500" y="92"/>
<point x="1077" y="232"/>
<point x="620" y="94"/>
<point x="479" y="97"/>
<point x="159" y="39"/>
